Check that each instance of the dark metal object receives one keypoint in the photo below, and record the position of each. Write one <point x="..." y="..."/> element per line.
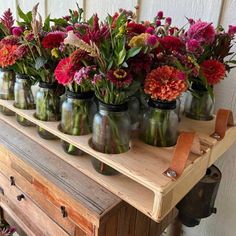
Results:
<point x="12" y="180"/>
<point x="63" y="212"/>
<point x="20" y="197"/>
<point x="1" y="191"/>
<point x="199" y="202"/>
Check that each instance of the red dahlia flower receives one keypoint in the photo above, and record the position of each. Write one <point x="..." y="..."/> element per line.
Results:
<point x="164" y="83"/>
<point x="213" y="71"/>
<point x="63" y="72"/>
<point x="119" y="77"/>
<point x="53" y="39"/>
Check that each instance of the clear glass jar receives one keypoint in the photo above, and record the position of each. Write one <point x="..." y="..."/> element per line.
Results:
<point x="47" y="107"/>
<point x="78" y="110"/>
<point x="198" y="104"/>
<point x="134" y="112"/>
<point x="24" y="98"/>
<point x="111" y="133"/>
<point x="7" y="80"/>
<point x="160" y="124"/>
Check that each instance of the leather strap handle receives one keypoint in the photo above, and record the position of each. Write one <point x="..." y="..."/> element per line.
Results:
<point x="224" y="119"/>
<point x="186" y="143"/>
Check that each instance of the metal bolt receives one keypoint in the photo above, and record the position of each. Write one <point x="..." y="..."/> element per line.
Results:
<point x="20" y="197"/>
<point x="12" y="180"/>
<point x="63" y="212"/>
<point x="216" y="136"/>
<point x="171" y="173"/>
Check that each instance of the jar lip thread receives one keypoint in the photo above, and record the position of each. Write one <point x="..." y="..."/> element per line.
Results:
<point x="48" y="85"/>
<point x="113" y="107"/>
<point x="81" y="95"/>
<point x="164" y="105"/>
<point x="22" y="76"/>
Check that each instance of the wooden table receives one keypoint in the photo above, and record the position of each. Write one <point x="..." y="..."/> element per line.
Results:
<point x="43" y="195"/>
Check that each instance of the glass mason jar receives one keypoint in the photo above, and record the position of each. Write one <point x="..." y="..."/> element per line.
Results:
<point x="78" y="110"/>
<point x="24" y="98"/>
<point x="111" y="133"/>
<point x="198" y="104"/>
<point x="7" y="80"/>
<point x="47" y="107"/>
<point x="160" y="124"/>
<point x="134" y="112"/>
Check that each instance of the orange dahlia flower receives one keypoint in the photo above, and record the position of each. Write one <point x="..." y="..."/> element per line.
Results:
<point x="8" y="55"/>
<point x="213" y="71"/>
<point x="165" y="83"/>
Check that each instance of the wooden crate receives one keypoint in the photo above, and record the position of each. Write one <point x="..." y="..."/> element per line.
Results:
<point x="141" y="182"/>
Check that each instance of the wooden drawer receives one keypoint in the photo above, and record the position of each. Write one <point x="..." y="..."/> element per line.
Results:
<point x="23" y="181"/>
<point x="14" y="201"/>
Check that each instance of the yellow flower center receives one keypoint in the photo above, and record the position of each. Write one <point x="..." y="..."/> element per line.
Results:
<point x="120" y="74"/>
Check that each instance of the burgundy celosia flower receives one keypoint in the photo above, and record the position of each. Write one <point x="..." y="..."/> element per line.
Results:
<point x="213" y="71"/>
<point x="63" y="72"/>
<point x="163" y="83"/>
<point x="136" y="28"/>
<point x="119" y="77"/>
<point x="203" y="32"/>
<point x="7" y="20"/>
<point x="53" y="39"/>
<point x="17" y="31"/>
<point x="170" y="43"/>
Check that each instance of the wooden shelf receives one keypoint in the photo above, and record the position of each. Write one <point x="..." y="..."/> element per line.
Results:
<point x="141" y="182"/>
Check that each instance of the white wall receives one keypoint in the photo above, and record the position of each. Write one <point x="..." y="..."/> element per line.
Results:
<point x="217" y="11"/>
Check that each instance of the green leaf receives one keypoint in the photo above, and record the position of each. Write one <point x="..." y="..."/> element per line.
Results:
<point x="59" y="22"/>
<point x="46" y="26"/>
<point x="133" y="52"/>
<point x="26" y="17"/>
<point x="40" y="62"/>
<point x="121" y="56"/>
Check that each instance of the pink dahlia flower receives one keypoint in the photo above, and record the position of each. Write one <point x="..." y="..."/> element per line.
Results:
<point x="203" y="32"/>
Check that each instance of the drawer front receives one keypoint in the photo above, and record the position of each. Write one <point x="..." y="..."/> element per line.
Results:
<point x="23" y="180"/>
<point x="21" y="205"/>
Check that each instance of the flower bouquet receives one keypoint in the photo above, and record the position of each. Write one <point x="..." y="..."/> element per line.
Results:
<point x="78" y="107"/>
<point x="113" y="84"/>
<point x="210" y="49"/>
<point x="7" y="76"/>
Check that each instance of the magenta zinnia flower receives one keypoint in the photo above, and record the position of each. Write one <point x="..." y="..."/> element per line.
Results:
<point x="119" y="77"/>
<point x="203" y="32"/>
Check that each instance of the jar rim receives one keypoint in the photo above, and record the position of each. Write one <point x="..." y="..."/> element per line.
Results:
<point x="113" y="107"/>
<point x="163" y="105"/>
<point x="81" y="95"/>
<point x="48" y="85"/>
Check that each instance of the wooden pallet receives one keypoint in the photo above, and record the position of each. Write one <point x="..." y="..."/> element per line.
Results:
<point x="141" y="182"/>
